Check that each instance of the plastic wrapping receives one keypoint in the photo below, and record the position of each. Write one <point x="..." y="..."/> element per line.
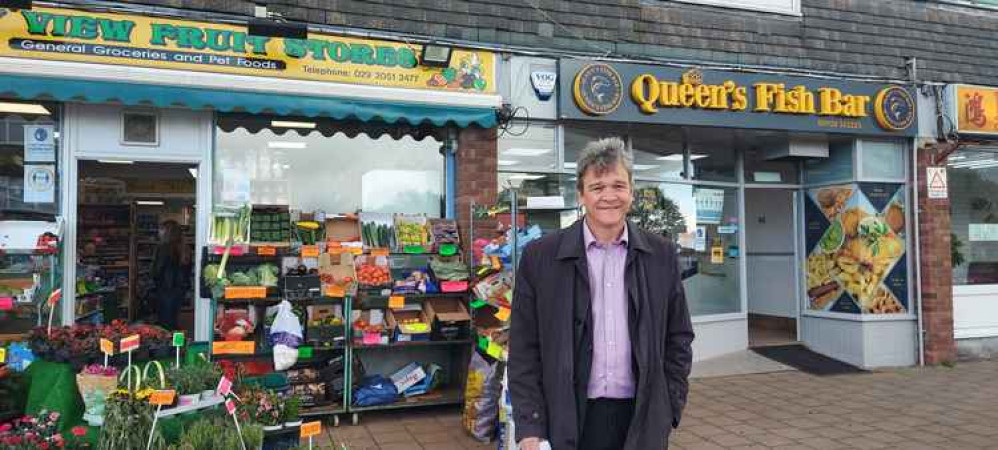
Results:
<point x="481" y="397"/>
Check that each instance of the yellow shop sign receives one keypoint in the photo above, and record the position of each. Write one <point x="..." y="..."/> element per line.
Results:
<point x="976" y="109"/>
<point x="132" y="40"/>
<point x="650" y="94"/>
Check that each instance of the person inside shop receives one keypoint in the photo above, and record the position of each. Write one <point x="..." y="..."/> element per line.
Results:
<point x="170" y="273"/>
<point x="600" y="341"/>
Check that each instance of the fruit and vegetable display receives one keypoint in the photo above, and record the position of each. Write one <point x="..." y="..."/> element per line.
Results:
<point x="443" y="232"/>
<point x="270" y="224"/>
<point x="377" y="230"/>
<point x="262" y="275"/>
<point x="231" y="225"/>
<point x="410" y="230"/>
<point x="324" y="327"/>
<point x="373" y="271"/>
<point x="234" y="324"/>
<point x="369" y="326"/>
<point x="309" y="232"/>
<point x="449" y="268"/>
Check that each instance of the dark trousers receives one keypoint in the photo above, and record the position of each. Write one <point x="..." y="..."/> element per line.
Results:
<point x="607" y="421"/>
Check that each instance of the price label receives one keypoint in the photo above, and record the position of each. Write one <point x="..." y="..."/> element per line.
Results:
<point x="310" y="251"/>
<point x="230" y="406"/>
<point x="503" y="313"/>
<point x="304" y="352"/>
<point x="379" y="252"/>
<point x="335" y="291"/>
<point x="448" y="249"/>
<point x="396" y="302"/>
<point x="242" y="292"/>
<point x="356" y="250"/>
<point x="3" y="355"/>
<point x="54" y="297"/>
<point x="224" y="386"/>
<point x="414" y="249"/>
<point x="372" y="338"/>
<point x="266" y="251"/>
<point x="178" y="339"/>
<point x="106" y="347"/>
<point x="311" y="429"/>
<point x="6" y="303"/>
<point x="475" y="304"/>
<point x="335" y="250"/>
<point x="130" y="343"/>
<point x="334" y="244"/>
<point x="483" y="343"/>
<point x="233" y="348"/>
<point x="495" y="350"/>
<point x="162" y="398"/>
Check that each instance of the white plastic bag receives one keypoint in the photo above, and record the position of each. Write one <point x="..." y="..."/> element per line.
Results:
<point x="286" y="321"/>
<point x="286" y="335"/>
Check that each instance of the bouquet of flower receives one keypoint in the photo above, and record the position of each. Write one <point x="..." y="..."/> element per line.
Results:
<point x="95" y="382"/>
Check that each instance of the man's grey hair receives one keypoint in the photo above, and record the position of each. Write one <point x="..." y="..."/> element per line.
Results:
<point x="602" y="156"/>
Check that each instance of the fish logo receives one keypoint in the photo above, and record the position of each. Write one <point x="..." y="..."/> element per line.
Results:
<point x="894" y="108"/>
<point x="598" y="89"/>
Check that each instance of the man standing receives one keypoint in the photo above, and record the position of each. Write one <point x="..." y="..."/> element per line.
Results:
<point x="600" y="342"/>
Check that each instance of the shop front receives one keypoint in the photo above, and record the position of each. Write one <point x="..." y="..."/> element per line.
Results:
<point x="193" y="176"/>
<point x="968" y="184"/>
<point x="788" y="196"/>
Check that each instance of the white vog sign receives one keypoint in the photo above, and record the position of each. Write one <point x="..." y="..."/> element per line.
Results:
<point x="544" y="83"/>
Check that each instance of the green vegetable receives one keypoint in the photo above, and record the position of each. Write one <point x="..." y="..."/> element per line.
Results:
<point x="242" y="279"/>
<point x="267" y="274"/>
<point x="833" y="238"/>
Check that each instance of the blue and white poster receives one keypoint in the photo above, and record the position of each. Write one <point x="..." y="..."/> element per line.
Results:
<point x="39" y="143"/>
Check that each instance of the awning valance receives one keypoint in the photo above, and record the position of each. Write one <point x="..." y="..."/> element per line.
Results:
<point x="133" y="94"/>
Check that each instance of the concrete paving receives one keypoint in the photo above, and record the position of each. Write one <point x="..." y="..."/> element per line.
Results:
<point x="910" y="408"/>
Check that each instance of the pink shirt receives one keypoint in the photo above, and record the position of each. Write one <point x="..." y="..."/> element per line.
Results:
<point x="612" y="373"/>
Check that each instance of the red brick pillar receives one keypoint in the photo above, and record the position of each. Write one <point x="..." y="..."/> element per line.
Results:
<point x="477" y="177"/>
<point x="936" y="264"/>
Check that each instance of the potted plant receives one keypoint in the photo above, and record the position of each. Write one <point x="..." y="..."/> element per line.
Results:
<point x="207" y="375"/>
<point x="187" y="386"/>
<point x="217" y="432"/>
<point x="128" y="421"/>
<point x="95" y="382"/>
<point x="265" y="410"/>
<point x="290" y="411"/>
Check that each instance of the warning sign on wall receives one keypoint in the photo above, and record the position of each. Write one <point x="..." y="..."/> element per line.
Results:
<point x="938" y="185"/>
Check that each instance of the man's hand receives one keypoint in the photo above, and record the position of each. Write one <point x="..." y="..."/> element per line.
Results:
<point x="530" y="444"/>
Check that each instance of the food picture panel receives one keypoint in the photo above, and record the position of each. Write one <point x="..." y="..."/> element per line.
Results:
<point x="855" y="237"/>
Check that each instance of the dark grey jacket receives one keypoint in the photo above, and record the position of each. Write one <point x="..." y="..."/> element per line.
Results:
<point x="551" y="340"/>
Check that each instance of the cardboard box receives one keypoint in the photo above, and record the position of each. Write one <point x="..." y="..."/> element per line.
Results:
<point x="337" y="268"/>
<point x="449" y="319"/>
<point x="374" y="317"/>
<point x="409" y="325"/>
<point x="343" y="229"/>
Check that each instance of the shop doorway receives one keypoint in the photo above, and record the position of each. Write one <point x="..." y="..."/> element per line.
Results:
<point x="135" y="241"/>
<point x="771" y="257"/>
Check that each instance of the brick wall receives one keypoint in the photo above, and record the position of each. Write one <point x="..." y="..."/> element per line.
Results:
<point x="870" y="37"/>
<point x="476" y="178"/>
<point x="937" y="269"/>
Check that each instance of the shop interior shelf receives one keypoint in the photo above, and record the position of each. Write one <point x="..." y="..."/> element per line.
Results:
<point x="412" y="344"/>
<point x="444" y="396"/>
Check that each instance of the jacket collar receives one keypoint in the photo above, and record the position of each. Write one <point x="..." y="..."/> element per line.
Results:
<point x="572" y="243"/>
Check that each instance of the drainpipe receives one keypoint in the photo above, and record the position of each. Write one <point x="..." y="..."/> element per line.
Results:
<point x="918" y="258"/>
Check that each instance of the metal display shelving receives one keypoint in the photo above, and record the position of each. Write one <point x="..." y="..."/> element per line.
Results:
<point x="452" y="355"/>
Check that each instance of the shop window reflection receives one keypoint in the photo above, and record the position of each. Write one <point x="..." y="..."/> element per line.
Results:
<point x="704" y="223"/>
<point x="333" y="174"/>
<point x="973" y="194"/>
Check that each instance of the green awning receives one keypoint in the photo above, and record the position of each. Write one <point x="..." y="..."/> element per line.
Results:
<point x="70" y="90"/>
